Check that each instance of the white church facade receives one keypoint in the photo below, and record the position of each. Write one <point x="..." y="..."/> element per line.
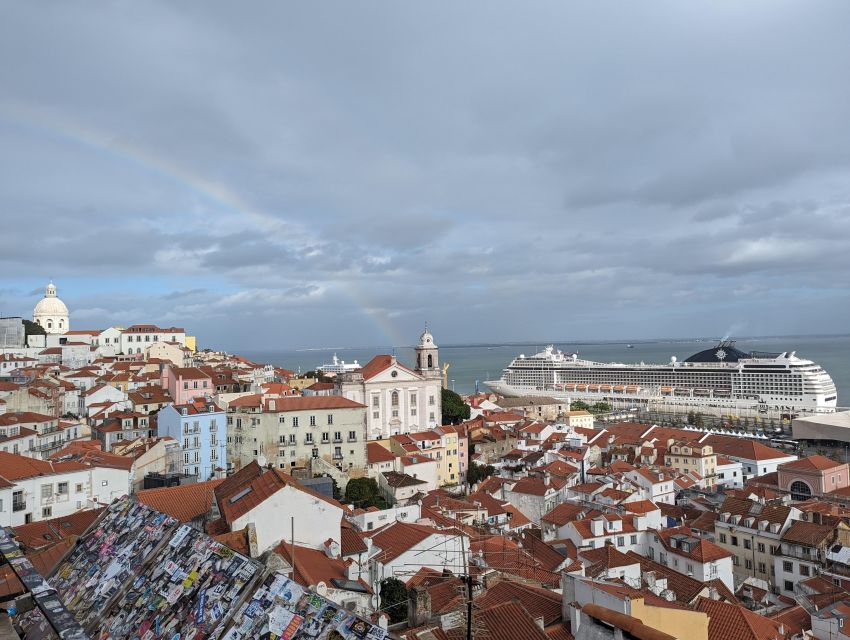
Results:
<point x="400" y="399"/>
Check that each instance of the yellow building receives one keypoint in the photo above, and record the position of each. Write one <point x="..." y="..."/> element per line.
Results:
<point x="443" y="448"/>
<point x="191" y="343"/>
<point x="687" y="456"/>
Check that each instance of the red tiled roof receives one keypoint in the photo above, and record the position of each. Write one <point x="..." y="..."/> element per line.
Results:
<point x="702" y="551"/>
<point x="726" y="620"/>
<point x="376" y="453"/>
<point x="532" y="486"/>
<point x="808" y="533"/>
<point x="47" y="532"/>
<point x="185" y="502"/>
<point x="539" y="602"/>
<point x="306" y="403"/>
<point x="381" y="363"/>
<point x="812" y="463"/>
<point x="564" y="513"/>
<point x="398" y="537"/>
<point x="15" y="467"/>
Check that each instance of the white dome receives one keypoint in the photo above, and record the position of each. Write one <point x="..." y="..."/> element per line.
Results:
<point x="50" y="307"/>
<point x="51" y="313"/>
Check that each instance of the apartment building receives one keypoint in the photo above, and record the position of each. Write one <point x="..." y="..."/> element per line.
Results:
<point x="685" y="457"/>
<point x="287" y="432"/>
<point x="752" y="531"/>
<point x="199" y="427"/>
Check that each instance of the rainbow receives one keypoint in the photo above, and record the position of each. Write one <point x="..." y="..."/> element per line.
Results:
<point x="72" y="133"/>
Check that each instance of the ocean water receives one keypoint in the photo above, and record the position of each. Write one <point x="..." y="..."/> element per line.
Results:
<point x="471" y="365"/>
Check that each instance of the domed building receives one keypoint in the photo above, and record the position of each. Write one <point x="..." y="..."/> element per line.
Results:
<point x="51" y="313"/>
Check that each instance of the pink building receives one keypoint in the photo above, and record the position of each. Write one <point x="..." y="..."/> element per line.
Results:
<point x="186" y="383"/>
<point x="812" y="476"/>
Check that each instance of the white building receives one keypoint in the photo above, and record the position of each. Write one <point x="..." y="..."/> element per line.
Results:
<point x="683" y="551"/>
<point x="399" y="399"/>
<point x="34" y="490"/>
<point x="730" y="473"/>
<point x="51" y="313"/>
<point x="137" y="338"/>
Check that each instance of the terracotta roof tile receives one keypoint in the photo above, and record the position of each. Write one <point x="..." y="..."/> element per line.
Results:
<point x="726" y="620"/>
<point x="185" y="502"/>
<point x="812" y="463"/>
<point x="44" y="533"/>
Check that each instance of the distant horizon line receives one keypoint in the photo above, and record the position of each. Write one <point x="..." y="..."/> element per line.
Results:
<point x="523" y="343"/>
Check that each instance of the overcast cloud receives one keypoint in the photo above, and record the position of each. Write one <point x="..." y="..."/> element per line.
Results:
<point x="284" y="174"/>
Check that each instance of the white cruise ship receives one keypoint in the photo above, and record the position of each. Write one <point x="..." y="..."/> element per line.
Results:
<point x="721" y="380"/>
<point x="339" y="366"/>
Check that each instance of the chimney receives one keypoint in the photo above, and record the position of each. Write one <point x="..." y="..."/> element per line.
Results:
<point x="418" y="606"/>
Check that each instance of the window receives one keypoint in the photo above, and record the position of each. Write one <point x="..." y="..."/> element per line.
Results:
<point x="337" y="436"/>
<point x="352" y="436"/>
<point x="748" y="563"/>
<point x="734" y="541"/>
<point x="747" y="543"/>
<point x="312" y="421"/>
<point x="281" y="419"/>
<point x="104" y="483"/>
<point x="804" y="570"/>
<point x="762" y="568"/>
<point x="46" y="512"/>
<point x="375" y="401"/>
<point x="788" y="566"/>
<point x="723" y="538"/>
<point x="330" y="418"/>
<point x="62" y="488"/>
<point x="789" y="586"/>
<point x="325" y="437"/>
<point x="633" y="539"/>
<point x="291" y="438"/>
<point x="295" y="421"/>
<point x="376" y="415"/>
<point x="394" y="398"/>
<point x="621" y="541"/>
<point x="308" y="438"/>
<point x="412" y="399"/>
<point x="431" y="401"/>
<point x="46" y="491"/>
<point x="760" y="547"/>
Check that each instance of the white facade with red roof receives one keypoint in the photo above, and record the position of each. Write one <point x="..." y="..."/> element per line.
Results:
<point x="399" y="399"/>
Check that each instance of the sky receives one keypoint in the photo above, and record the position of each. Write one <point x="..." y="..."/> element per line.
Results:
<point x="282" y="175"/>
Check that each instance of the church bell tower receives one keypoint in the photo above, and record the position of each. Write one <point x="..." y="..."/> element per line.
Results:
<point x="427" y="356"/>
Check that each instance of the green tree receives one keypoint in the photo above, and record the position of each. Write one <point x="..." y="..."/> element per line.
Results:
<point x="600" y="407"/>
<point x="698" y="421"/>
<point x="579" y="405"/>
<point x="691" y="417"/>
<point x="478" y="472"/>
<point x="455" y="410"/>
<point x="363" y="493"/>
<point x="394" y="599"/>
<point x="33" y="329"/>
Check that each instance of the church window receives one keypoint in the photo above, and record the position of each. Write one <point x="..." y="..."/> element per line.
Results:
<point x="375" y="401"/>
<point x="394" y="398"/>
<point x="50" y="324"/>
<point x="418" y="360"/>
<point x="61" y="324"/>
<point x="431" y="400"/>
<point x="430" y="361"/>
<point x="412" y="399"/>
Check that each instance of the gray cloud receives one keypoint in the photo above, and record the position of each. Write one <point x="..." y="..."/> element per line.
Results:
<point x="305" y="175"/>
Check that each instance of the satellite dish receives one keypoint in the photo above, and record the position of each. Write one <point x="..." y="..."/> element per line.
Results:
<point x="322" y="589"/>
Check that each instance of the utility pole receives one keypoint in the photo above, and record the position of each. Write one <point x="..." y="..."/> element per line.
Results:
<point x="468" y="606"/>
